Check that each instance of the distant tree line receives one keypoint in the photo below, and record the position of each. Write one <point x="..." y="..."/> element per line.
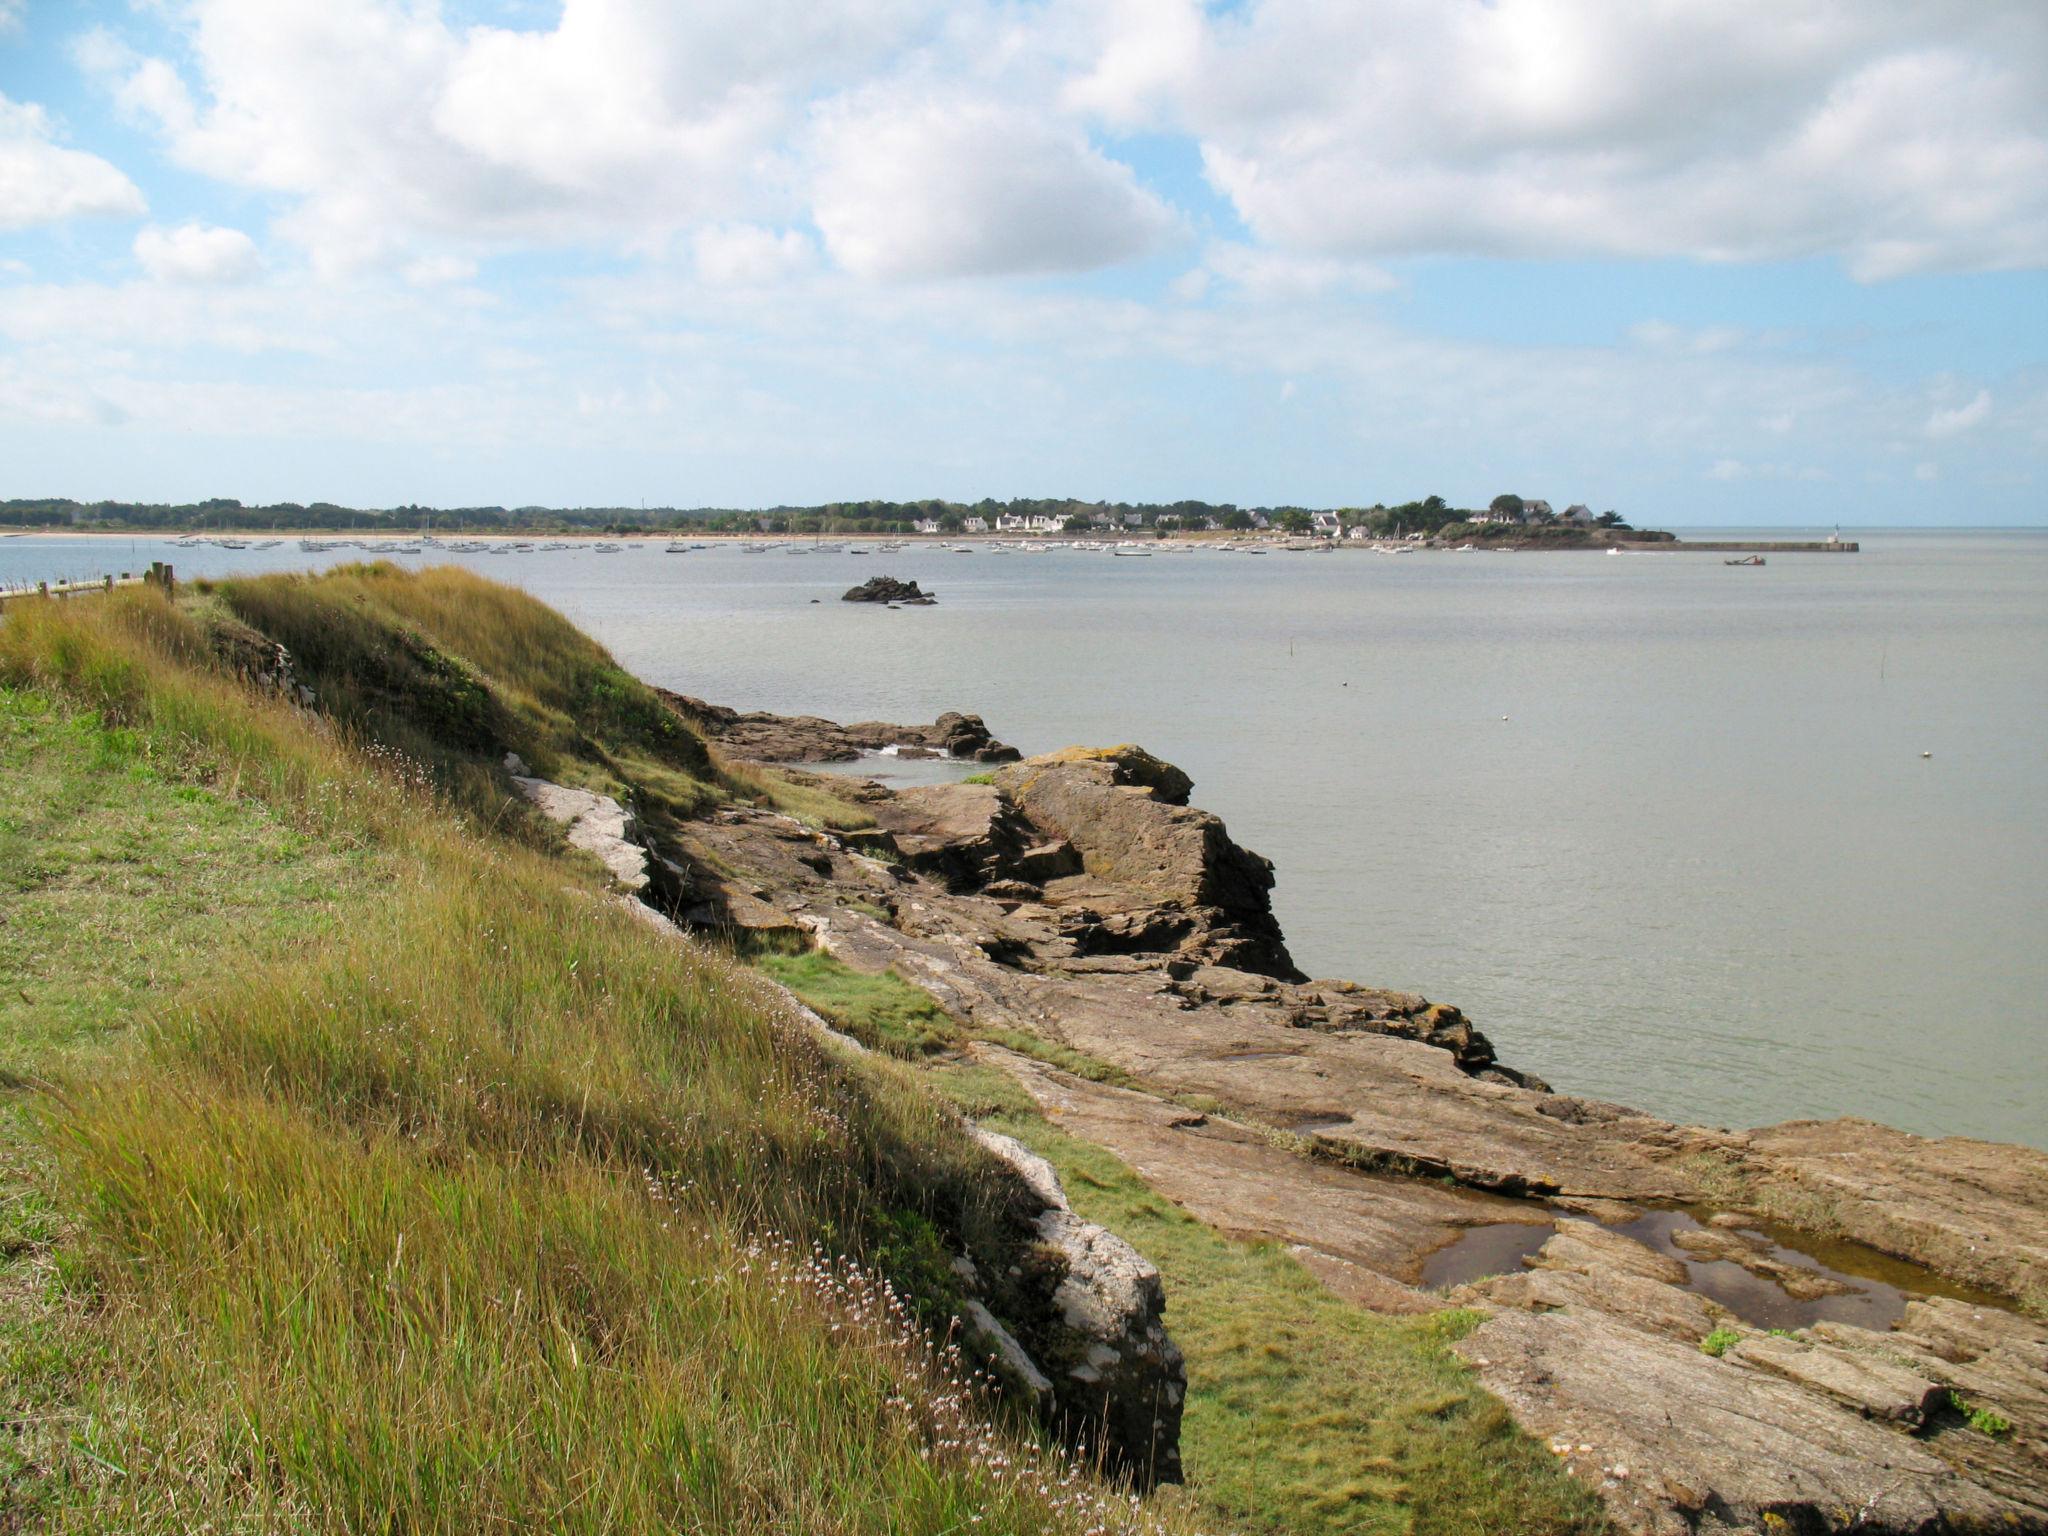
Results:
<point x="1429" y="516"/>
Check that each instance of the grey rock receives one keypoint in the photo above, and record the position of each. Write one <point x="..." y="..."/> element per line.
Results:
<point x="596" y="823"/>
<point x="1120" y="1380"/>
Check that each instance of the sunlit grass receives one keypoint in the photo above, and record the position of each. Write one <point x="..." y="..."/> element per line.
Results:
<point x="435" y="1193"/>
<point x="1306" y="1413"/>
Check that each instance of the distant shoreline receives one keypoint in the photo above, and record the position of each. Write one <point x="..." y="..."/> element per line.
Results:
<point x="1279" y="543"/>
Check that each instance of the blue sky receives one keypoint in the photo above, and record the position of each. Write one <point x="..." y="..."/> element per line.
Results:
<point x="1698" y="260"/>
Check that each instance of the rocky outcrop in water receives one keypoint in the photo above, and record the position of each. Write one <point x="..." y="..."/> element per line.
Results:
<point x="1078" y="900"/>
<point x="765" y="738"/>
<point x="1125" y="815"/>
<point x="888" y="589"/>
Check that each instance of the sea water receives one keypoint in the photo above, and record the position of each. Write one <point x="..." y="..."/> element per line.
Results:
<point x="1731" y="845"/>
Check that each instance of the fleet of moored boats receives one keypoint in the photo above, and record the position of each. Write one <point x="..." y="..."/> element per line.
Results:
<point x="1125" y="548"/>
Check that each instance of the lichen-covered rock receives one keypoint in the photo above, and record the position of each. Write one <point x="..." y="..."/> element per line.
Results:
<point x="1117" y="1379"/>
<point x="596" y="823"/>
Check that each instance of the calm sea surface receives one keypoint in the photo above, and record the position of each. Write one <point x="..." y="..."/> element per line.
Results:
<point x="1660" y="827"/>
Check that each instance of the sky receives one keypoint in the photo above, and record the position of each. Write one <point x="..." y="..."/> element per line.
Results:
<point x="1742" y="262"/>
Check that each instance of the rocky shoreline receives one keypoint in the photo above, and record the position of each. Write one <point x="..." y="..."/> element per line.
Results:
<point x="1078" y="901"/>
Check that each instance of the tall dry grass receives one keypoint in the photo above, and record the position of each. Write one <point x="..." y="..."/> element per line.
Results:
<point x="496" y="1209"/>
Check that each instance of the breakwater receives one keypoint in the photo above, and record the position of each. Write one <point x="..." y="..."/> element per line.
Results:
<point x="1748" y="547"/>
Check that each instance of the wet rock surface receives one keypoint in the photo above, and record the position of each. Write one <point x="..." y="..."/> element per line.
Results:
<point x="1832" y="1428"/>
<point x="1079" y="901"/>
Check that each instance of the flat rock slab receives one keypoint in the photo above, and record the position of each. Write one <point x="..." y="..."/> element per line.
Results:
<point x="1875" y="1387"/>
<point x="1135" y="961"/>
<point x="1680" y="1442"/>
<point x="1376" y="1230"/>
<point x="1977" y="1210"/>
<point x="1830" y="1429"/>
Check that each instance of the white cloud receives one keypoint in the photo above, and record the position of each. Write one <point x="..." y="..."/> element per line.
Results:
<point x="388" y="126"/>
<point x="432" y="271"/>
<point x="1926" y="471"/>
<point x="1958" y="419"/>
<point x="11" y="12"/>
<point x="1901" y="138"/>
<point x="746" y="255"/>
<point x="970" y="187"/>
<point x="41" y="182"/>
<point x="1727" y="469"/>
<point x="196" y="253"/>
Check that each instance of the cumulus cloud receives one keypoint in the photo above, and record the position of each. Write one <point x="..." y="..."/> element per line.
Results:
<point x="385" y="123"/>
<point x="964" y="187"/>
<point x="196" y="253"/>
<point x="42" y="182"/>
<point x="1898" y="138"/>
<point x="1901" y="138"/>
<point x="1958" y="419"/>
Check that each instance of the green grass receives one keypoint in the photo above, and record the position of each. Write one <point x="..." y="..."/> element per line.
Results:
<point x="1305" y="1413"/>
<point x="423" y="1189"/>
<point x="886" y="1013"/>
<point x="1984" y="1420"/>
<point x="1718" y="1342"/>
<point x="117" y="882"/>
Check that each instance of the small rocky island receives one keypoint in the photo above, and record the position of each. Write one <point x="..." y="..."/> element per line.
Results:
<point x="887" y="589"/>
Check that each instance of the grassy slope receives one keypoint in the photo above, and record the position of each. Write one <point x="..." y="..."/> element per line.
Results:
<point x="1305" y="1414"/>
<point x="427" y="1191"/>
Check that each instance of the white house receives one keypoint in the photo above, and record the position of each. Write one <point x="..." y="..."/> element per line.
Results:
<point x="975" y="525"/>
<point x="1328" y="524"/>
<point x="1488" y="515"/>
<point x="1578" y="512"/>
<point x="1134" y="519"/>
<point x="926" y="525"/>
<point x="1535" y="511"/>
